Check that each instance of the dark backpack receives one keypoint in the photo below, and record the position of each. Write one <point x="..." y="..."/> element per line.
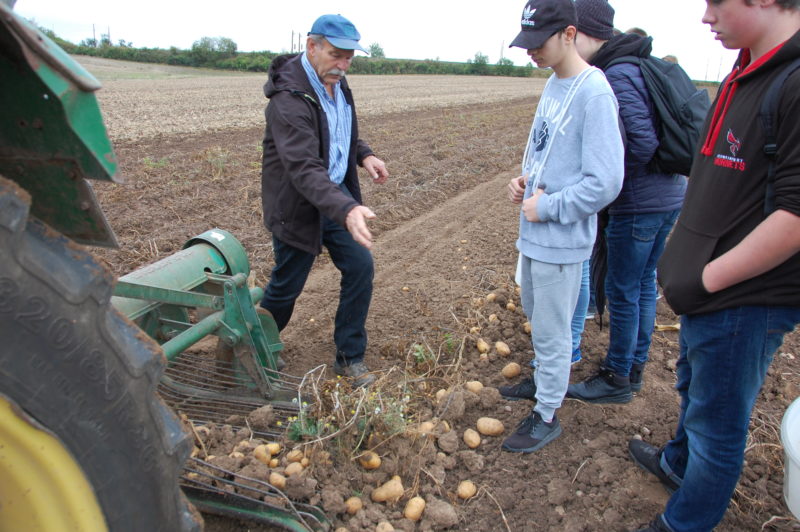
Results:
<point x="680" y="110"/>
<point x="769" y="117"/>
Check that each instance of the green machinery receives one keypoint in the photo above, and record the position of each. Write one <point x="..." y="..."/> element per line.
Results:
<point x="77" y="377"/>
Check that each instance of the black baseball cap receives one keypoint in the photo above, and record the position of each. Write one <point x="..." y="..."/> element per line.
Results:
<point x="541" y="19"/>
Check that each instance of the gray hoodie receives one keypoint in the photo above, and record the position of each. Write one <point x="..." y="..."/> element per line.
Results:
<point x="581" y="174"/>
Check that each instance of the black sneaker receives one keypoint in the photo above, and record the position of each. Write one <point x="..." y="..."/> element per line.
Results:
<point x="532" y="434"/>
<point x="605" y="387"/>
<point x="525" y="389"/>
<point x="648" y="457"/>
<point x="656" y="525"/>
<point x="637" y="370"/>
<point x="358" y="371"/>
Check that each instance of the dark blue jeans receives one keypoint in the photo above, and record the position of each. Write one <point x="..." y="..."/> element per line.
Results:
<point x="354" y="261"/>
<point x="635" y="243"/>
<point x="723" y="361"/>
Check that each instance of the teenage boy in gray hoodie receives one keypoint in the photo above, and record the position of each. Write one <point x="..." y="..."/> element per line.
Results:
<point x="572" y="168"/>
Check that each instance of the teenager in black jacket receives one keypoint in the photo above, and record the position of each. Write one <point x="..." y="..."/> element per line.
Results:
<point x="731" y="268"/>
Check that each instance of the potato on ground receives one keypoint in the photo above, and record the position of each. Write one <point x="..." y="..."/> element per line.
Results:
<point x="472" y="438"/>
<point x="353" y="505"/>
<point x="466" y="489"/>
<point x="391" y="491"/>
<point x="490" y="426"/>
<point x="511" y="370"/>
<point x="414" y="508"/>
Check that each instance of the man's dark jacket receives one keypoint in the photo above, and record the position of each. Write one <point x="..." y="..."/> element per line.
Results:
<point x="296" y="190"/>
<point x="727" y="186"/>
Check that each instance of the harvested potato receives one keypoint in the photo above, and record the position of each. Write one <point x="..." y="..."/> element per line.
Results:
<point x="490" y="426"/>
<point x="466" y="489"/>
<point x="475" y="330"/>
<point x="293" y="469"/>
<point x="277" y="480"/>
<point x="491" y="297"/>
<point x="511" y="306"/>
<point x="243" y="446"/>
<point x="472" y="438"/>
<point x="391" y="491"/>
<point x="195" y="451"/>
<point x="236" y="454"/>
<point x="502" y="349"/>
<point x="305" y="461"/>
<point x="482" y="345"/>
<point x="493" y="318"/>
<point x="370" y="460"/>
<point x="273" y="448"/>
<point x="511" y="370"/>
<point x="414" y="508"/>
<point x="440" y="394"/>
<point x="262" y="454"/>
<point x="527" y="327"/>
<point x="353" y="504"/>
<point x="384" y="526"/>
<point x="295" y="455"/>
<point x="273" y="463"/>
<point x="474" y="386"/>
<point x="426" y="427"/>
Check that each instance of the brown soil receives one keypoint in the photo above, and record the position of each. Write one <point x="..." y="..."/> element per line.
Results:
<point x="444" y="240"/>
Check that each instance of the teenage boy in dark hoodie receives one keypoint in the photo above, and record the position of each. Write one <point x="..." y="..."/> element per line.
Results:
<point x="639" y="219"/>
<point x="731" y="267"/>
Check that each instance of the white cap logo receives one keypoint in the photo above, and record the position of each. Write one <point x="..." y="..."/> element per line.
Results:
<point x="527" y="14"/>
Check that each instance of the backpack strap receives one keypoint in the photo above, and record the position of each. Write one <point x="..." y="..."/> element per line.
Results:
<point x="769" y="118"/>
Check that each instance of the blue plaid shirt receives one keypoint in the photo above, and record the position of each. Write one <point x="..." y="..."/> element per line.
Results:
<point x="340" y="122"/>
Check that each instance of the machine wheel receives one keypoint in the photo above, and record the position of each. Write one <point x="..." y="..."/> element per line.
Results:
<point x="76" y="375"/>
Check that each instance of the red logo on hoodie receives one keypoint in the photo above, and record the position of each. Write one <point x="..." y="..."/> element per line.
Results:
<point x="735" y="143"/>
<point x="726" y="161"/>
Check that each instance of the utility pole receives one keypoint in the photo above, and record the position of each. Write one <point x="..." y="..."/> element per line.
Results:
<point x="292" y="45"/>
<point x="94" y="35"/>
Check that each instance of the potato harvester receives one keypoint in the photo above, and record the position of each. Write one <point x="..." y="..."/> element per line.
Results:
<point x="94" y="372"/>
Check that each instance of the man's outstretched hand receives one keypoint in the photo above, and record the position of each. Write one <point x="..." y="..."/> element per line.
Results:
<point x="356" y="223"/>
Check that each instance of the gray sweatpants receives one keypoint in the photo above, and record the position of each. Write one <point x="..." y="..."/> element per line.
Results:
<point x="549" y="294"/>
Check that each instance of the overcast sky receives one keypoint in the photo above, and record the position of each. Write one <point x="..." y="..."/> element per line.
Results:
<point x="412" y="29"/>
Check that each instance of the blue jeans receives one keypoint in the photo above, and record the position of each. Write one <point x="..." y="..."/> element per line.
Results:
<point x="635" y="243"/>
<point x="723" y="361"/>
<point x="354" y="261"/>
<point x="579" y="318"/>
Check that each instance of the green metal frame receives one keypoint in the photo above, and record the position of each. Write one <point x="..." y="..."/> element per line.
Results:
<point x="208" y="276"/>
<point x="52" y="136"/>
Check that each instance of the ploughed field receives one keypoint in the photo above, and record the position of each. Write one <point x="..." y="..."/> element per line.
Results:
<point x="189" y="147"/>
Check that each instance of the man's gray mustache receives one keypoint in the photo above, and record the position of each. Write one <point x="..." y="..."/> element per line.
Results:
<point x="335" y="72"/>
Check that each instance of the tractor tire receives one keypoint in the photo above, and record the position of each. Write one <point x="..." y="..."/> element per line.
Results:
<point x="86" y="375"/>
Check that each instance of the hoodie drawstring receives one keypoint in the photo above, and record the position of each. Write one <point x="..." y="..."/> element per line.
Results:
<point x="726" y="96"/>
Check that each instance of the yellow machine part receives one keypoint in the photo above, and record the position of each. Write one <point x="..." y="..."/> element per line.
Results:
<point x="42" y="488"/>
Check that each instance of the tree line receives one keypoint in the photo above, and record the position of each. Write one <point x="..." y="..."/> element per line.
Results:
<point x="222" y="53"/>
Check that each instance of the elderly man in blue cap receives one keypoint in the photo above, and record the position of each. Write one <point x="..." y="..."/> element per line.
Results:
<point x="309" y="182"/>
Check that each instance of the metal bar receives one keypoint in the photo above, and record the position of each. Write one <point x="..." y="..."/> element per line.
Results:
<point x="174" y="347"/>
<point x="180" y="298"/>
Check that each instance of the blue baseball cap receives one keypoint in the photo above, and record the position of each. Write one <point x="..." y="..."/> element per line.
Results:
<point x="339" y="31"/>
